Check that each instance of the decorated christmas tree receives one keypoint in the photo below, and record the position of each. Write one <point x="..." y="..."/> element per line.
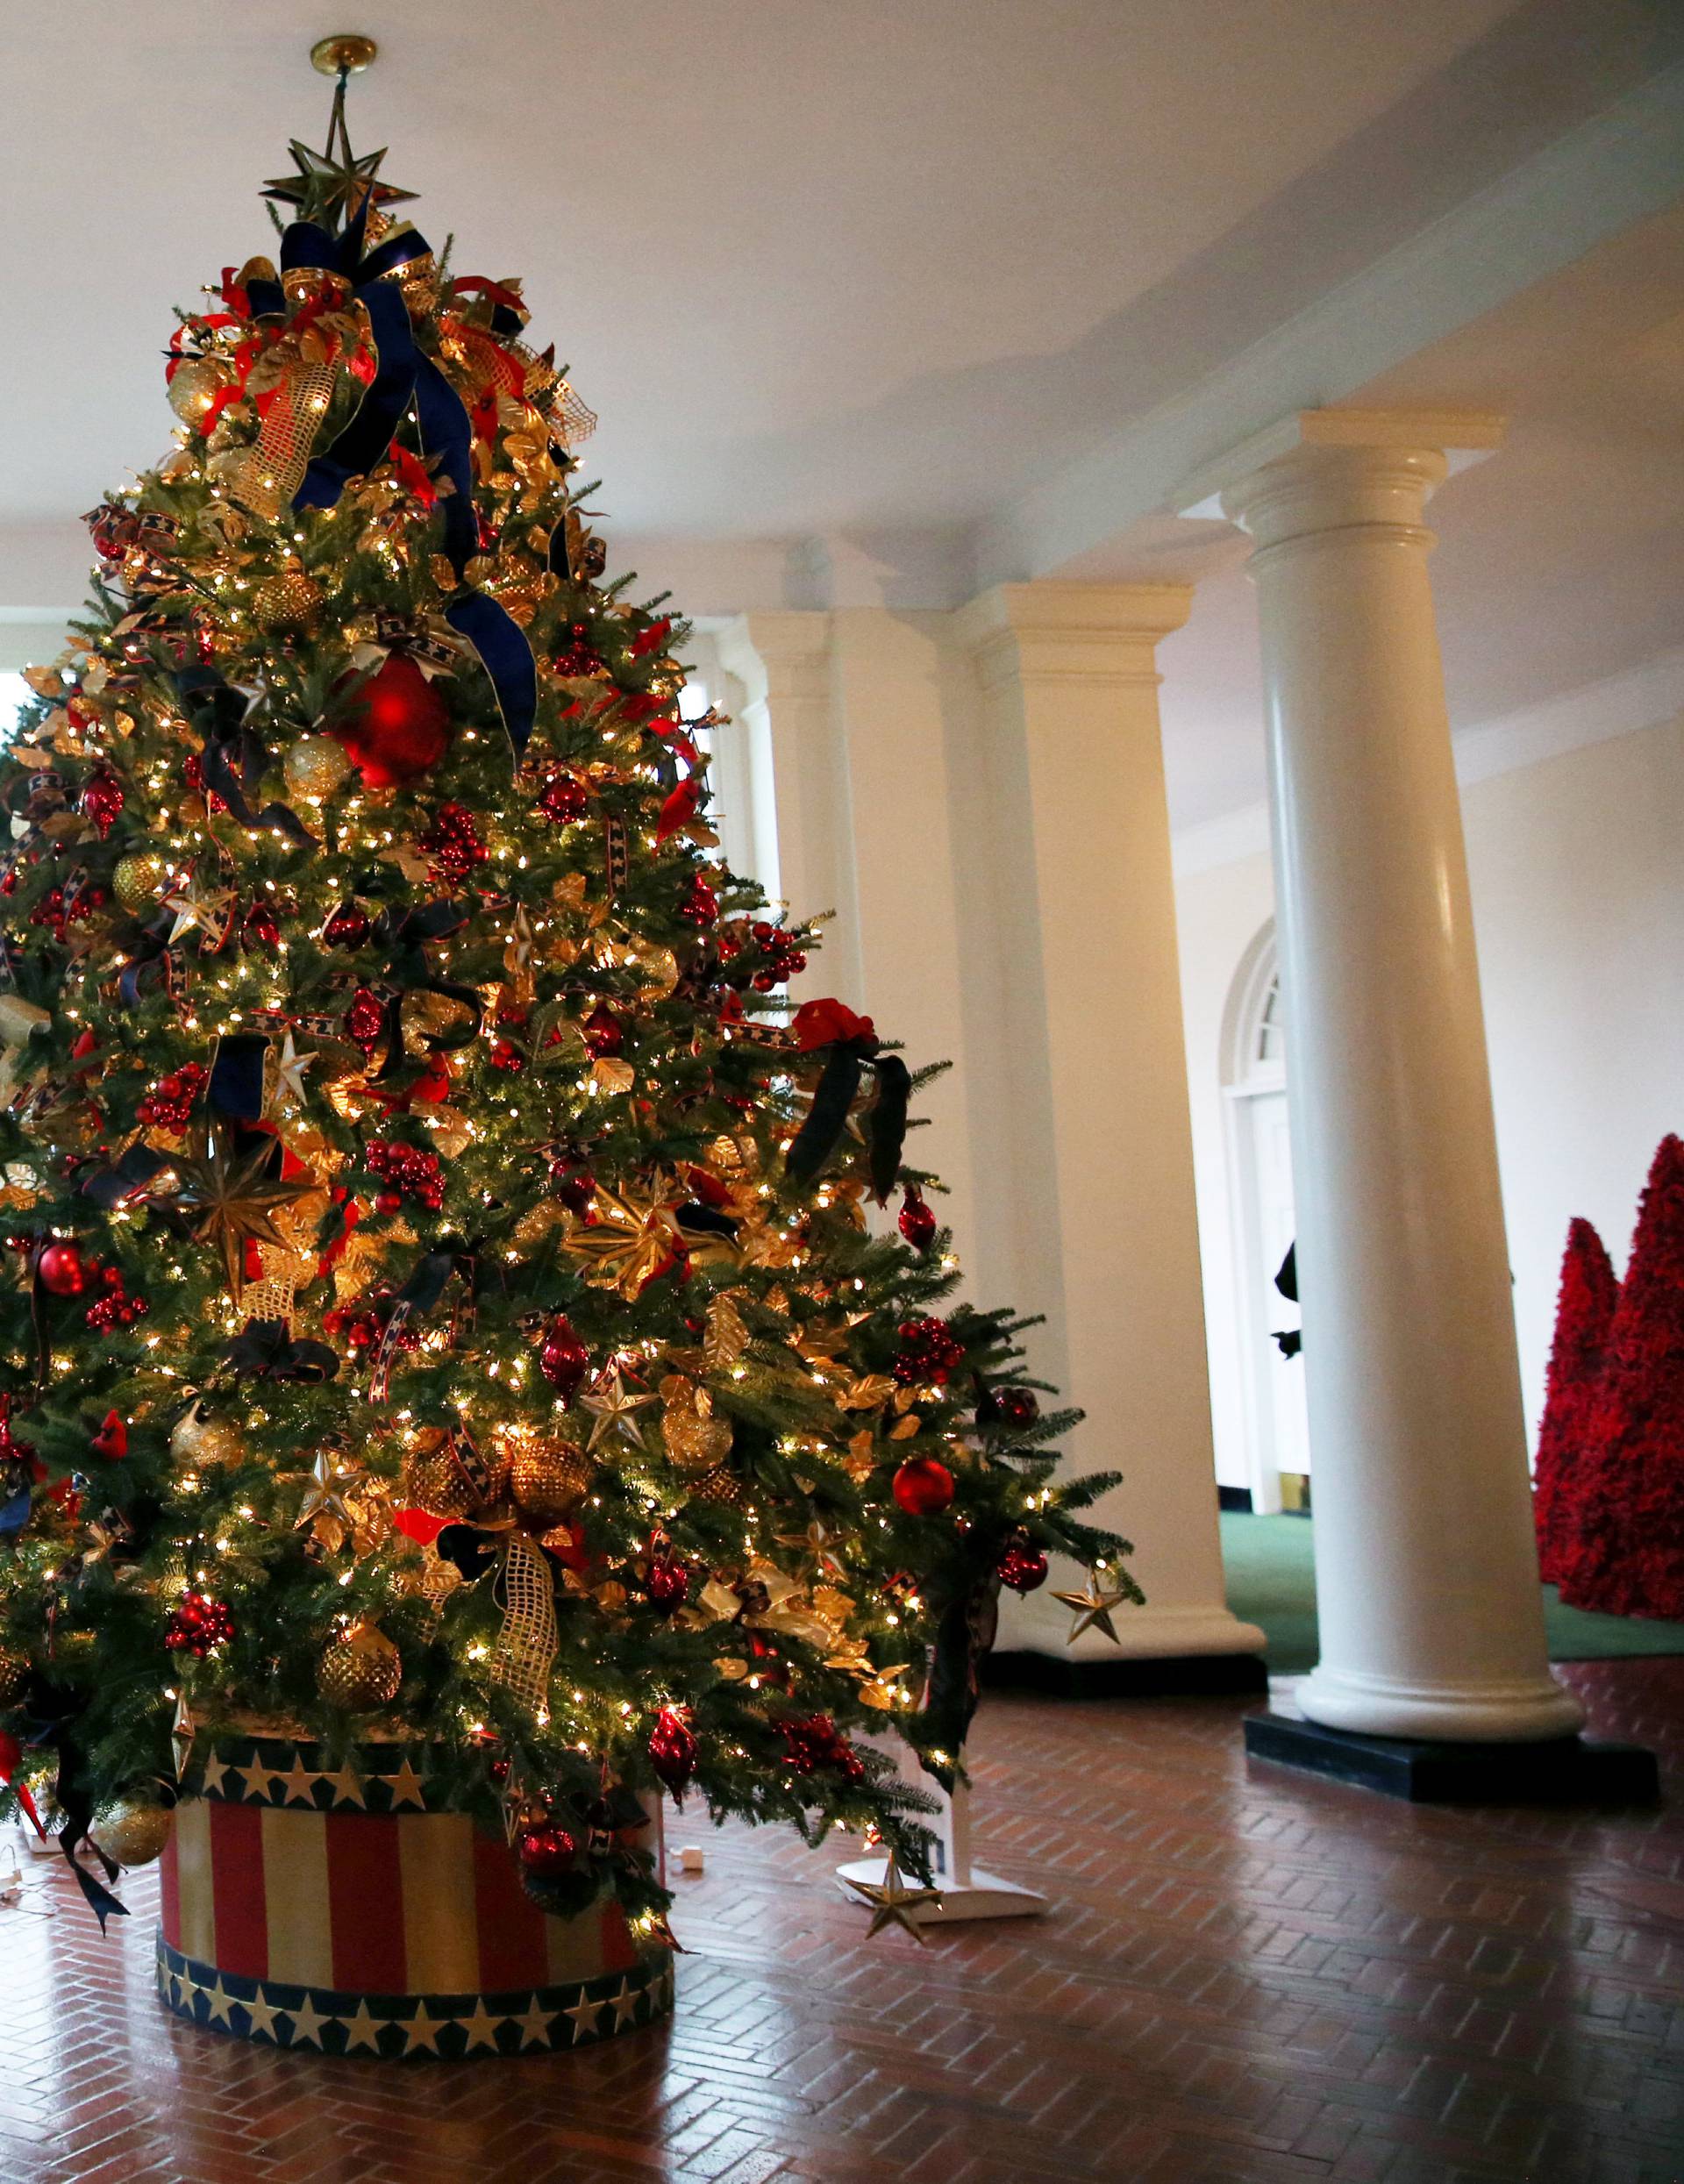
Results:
<point x="1588" y="1295"/>
<point x="450" y="1293"/>
<point x="1625" y="1550"/>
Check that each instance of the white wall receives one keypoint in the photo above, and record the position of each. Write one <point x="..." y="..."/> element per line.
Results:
<point x="1578" y="889"/>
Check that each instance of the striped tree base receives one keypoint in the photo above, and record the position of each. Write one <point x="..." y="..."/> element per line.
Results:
<point x="328" y="1907"/>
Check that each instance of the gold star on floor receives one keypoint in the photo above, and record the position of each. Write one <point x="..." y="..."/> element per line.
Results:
<point x="234" y="1195"/>
<point x="262" y="2015"/>
<point x="1092" y="1607"/>
<point x="362" y="2029"/>
<point x="894" y="1903"/>
<point x="615" y="1411"/>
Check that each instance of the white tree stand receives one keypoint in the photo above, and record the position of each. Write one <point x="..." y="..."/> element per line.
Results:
<point x="967" y="1890"/>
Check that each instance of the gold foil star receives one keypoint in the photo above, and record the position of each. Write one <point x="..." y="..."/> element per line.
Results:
<point x="330" y="185"/>
<point x="1093" y="1607"/>
<point x="201" y="908"/>
<point x="234" y="1196"/>
<point x="289" y="1068"/>
<point x="894" y="1903"/>
<point x="614" y="1411"/>
<point x="324" y="1504"/>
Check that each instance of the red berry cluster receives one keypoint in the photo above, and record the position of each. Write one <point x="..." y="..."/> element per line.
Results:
<point x="199" y="1625"/>
<point x="365" y="1020"/>
<point x="580" y="656"/>
<point x="407" y="1171"/>
<point x="547" y="1850"/>
<point x="102" y="799"/>
<point x="169" y="1104"/>
<point x="784" y="955"/>
<point x="666" y="1582"/>
<point x="699" y="905"/>
<point x="929" y="1351"/>
<point x="115" y="1308"/>
<point x="348" y="927"/>
<point x="61" y="907"/>
<point x="360" y="1326"/>
<point x="454" y="844"/>
<point x="814" y="1742"/>
<point x="563" y="799"/>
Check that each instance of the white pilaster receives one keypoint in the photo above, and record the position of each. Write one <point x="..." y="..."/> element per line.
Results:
<point x="1078" y="1094"/>
<point x="1431" y="1623"/>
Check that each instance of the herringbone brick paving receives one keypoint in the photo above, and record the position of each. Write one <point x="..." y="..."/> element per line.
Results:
<point x="1247" y="1977"/>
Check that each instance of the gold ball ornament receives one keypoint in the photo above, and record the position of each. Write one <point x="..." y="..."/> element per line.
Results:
<point x="14" y="1675"/>
<point x="140" y="879"/>
<point x="361" y="1671"/>
<point x="433" y="1480"/>
<point x="193" y="387"/>
<point x="290" y="601"/>
<point x="198" y="1439"/>
<point x="133" y="1830"/>
<point x="315" y="766"/>
<point x="549" y="1479"/>
<point x="693" y="1440"/>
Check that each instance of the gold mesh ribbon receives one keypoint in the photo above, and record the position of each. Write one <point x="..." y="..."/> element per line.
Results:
<point x="264" y="477"/>
<point x="528" y="1641"/>
<point x="571" y="420"/>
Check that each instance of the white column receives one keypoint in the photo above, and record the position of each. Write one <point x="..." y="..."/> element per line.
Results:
<point x="783" y="661"/>
<point x="1077" y="1082"/>
<point x="1431" y="1622"/>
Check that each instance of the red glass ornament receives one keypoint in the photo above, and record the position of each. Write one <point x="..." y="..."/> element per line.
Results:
<point x="1016" y="1406"/>
<point x="574" y="1187"/>
<point x="564" y="1360"/>
<point x="103" y="800"/>
<point x="506" y="1056"/>
<point x="668" y="1583"/>
<point x="261" y="928"/>
<point x="603" y="1034"/>
<point x="365" y="1020"/>
<point x="348" y="927"/>
<point x="672" y="1749"/>
<point x="547" y="1850"/>
<point x="61" y="1271"/>
<point x="1021" y="1567"/>
<point x="563" y="799"/>
<point x="923" y="1486"/>
<point x="699" y="905"/>
<point x="917" y="1223"/>
<point x="398" y="726"/>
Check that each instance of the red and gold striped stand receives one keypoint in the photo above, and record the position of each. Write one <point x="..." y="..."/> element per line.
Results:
<point x="328" y="1907"/>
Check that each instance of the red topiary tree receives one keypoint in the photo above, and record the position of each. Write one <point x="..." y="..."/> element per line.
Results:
<point x="1627" y="1552"/>
<point x="1590" y="1290"/>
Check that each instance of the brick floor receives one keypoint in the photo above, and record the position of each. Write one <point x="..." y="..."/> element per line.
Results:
<point x="1246" y="1979"/>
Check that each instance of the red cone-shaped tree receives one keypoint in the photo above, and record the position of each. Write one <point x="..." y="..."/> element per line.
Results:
<point x="1584" y="1315"/>
<point x="1626" y="1555"/>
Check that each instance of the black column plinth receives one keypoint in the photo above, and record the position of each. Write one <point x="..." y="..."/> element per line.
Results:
<point x="1177" y="1675"/>
<point x="1558" y="1771"/>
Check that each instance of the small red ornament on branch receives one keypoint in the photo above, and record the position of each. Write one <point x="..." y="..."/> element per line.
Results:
<point x="199" y="1625"/>
<point x="923" y="1486"/>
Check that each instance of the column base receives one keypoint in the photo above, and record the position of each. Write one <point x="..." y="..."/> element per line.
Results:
<point x="1525" y="1710"/>
<point x="1553" y="1771"/>
<point x="1136" y="1676"/>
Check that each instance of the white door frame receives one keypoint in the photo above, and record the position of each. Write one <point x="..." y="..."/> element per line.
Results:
<point x="1245" y="1077"/>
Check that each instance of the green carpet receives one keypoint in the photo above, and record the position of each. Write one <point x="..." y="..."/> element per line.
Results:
<point x="1271" y="1581"/>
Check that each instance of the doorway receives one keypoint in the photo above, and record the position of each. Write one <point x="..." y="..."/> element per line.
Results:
<point x="1264" y="1223"/>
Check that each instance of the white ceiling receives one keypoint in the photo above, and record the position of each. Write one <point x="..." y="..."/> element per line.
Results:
<point x="881" y="274"/>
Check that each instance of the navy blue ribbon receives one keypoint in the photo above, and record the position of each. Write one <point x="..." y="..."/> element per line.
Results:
<point x="402" y="374"/>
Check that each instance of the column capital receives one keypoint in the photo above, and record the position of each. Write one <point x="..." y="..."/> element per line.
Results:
<point x="1336" y="470"/>
<point x="1066" y="632"/>
<point x="776" y="650"/>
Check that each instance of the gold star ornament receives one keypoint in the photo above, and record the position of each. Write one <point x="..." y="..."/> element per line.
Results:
<point x="235" y="1197"/>
<point x="1092" y="1607"/>
<point x="895" y="1904"/>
